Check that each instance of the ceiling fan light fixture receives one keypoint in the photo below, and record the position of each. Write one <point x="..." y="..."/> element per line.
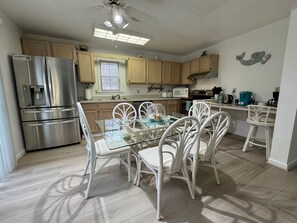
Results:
<point x="118" y="19"/>
<point x="108" y="23"/>
<point x="116" y="16"/>
<point x="125" y="26"/>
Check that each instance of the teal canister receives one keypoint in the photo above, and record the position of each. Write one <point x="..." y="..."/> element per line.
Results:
<point x="221" y="97"/>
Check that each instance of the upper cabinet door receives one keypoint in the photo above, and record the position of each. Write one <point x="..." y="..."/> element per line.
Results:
<point x="65" y="51"/>
<point x="136" y="71"/>
<point x="86" y="67"/>
<point x="175" y="73"/>
<point x="154" y="71"/>
<point x="194" y="66"/>
<point x="186" y="73"/>
<point x="209" y="63"/>
<point x="36" y="47"/>
<point x="166" y="72"/>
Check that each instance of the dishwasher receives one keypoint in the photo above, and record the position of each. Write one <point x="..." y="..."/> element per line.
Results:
<point x="136" y="105"/>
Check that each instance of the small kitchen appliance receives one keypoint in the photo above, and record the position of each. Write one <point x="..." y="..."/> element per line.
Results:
<point x="181" y="92"/>
<point x="273" y="102"/>
<point x="228" y="99"/>
<point x="245" y="98"/>
<point x="164" y="94"/>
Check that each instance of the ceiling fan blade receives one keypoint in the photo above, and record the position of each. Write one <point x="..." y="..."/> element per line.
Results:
<point x="138" y="15"/>
<point x="124" y="14"/>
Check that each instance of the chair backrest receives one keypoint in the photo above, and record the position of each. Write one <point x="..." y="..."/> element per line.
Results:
<point x="217" y="126"/>
<point x="200" y="110"/>
<point x="125" y="112"/>
<point x="142" y="110"/>
<point x="261" y="115"/>
<point x="181" y="136"/>
<point x="86" y="130"/>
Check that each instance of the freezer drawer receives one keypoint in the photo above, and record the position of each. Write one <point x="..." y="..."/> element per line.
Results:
<point x="40" y="114"/>
<point x="41" y="135"/>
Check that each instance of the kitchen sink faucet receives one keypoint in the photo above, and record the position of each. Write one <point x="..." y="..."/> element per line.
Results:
<point x="114" y="97"/>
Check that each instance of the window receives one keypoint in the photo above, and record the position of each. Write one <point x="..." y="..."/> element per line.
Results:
<point x="110" y="78"/>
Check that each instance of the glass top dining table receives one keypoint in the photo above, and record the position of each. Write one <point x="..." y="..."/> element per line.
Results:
<point x="119" y="134"/>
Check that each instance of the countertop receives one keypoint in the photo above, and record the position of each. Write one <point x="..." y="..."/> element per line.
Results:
<point x="227" y="106"/>
<point x="125" y="100"/>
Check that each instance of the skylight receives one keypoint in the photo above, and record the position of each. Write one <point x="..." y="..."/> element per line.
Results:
<point x="121" y="37"/>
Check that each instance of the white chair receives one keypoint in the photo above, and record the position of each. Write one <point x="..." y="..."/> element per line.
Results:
<point x="142" y="110"/>
<point x="125" y="112"/>
<point x="200" y="110"/>
<point x="99" y="150"/>
<point x="204" y="150"/>
<point x="169" y="157"/>
<point x="260" y="116"/>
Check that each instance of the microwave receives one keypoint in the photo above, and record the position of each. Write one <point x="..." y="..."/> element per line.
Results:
<point x="181" y="92"/>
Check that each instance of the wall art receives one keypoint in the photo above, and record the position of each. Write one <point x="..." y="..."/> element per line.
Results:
<point x="257" y="57"/>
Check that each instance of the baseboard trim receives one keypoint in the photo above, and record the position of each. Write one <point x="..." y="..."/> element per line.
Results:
<point x="278" y="164"/>
<point x="20" y="154"/>
<point x="292" y="164"/>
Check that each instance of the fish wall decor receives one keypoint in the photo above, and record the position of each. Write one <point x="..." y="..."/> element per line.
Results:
<point x="255" y="58"/>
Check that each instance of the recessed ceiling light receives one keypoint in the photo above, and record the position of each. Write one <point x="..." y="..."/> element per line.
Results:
<point x="121" y="37"/>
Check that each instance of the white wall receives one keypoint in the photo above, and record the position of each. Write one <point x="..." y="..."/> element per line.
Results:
<point x="10" y="43"/>
<point x="284" y="144"/>
<point x="258" y="78"/>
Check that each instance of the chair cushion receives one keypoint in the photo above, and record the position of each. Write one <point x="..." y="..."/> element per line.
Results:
<point x="202" y="149"/>
<point x="151" y="156"/>
<point x="103" y="150"/>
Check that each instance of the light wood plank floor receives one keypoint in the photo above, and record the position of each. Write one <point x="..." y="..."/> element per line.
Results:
<point x="48" y="186"/>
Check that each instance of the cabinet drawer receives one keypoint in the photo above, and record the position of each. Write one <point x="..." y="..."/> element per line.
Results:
<point x="107" y="105"/>
<point x="172" y="102"/>
<point x="91" y="106"/>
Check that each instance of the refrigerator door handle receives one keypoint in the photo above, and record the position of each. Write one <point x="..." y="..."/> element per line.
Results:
<point x="50" y="80"/>
<point x="50" y="123"/>
<point x="68" y="109"/>
<point x="49" y="111"/>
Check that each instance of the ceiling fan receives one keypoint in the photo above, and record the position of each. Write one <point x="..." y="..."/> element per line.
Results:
<point x="118" y="15"/>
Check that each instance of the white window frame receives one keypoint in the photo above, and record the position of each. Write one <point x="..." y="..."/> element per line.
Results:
<point x="97" y="89"/>
<point x="101" y="83"/>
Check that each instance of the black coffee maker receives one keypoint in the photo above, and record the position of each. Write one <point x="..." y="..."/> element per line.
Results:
<point x="273" y="102"/>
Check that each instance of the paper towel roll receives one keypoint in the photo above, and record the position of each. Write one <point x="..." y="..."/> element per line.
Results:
<point x="88" y="94"/>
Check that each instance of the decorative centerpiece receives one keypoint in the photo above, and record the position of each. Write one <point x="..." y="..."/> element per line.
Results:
<point x="156" y="112"/>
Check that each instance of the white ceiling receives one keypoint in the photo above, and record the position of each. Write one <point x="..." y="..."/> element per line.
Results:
<point x="184" y="26"/>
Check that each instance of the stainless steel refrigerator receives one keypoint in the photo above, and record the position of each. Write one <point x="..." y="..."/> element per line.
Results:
<point x="47" y="97"/>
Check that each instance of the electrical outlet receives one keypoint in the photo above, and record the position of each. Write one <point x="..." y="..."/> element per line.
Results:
<point x="137" y="91"/>
<point x="234" y="90"/>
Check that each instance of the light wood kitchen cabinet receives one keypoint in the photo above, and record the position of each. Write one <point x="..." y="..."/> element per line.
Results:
<point x="166" y="72"/>
<point x="91" y="112"/>
<point x="194" y="66"/>
<point x="209" y="63"/>
<point x="65" y="51"/>
<point x="98" y="111"/>
<point x="136" y="71"/>
<point x="105" y="110"/>
<point x="153" y="71"/>
<point x="36" y="47"/>
<point x="172" y="106"/>
<point x="186" y="73"/>
<point x="162" y="102"/>
<point x="175" y="73"/>
<point x="86" y="67"/>
<point x="169" y="105"/>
